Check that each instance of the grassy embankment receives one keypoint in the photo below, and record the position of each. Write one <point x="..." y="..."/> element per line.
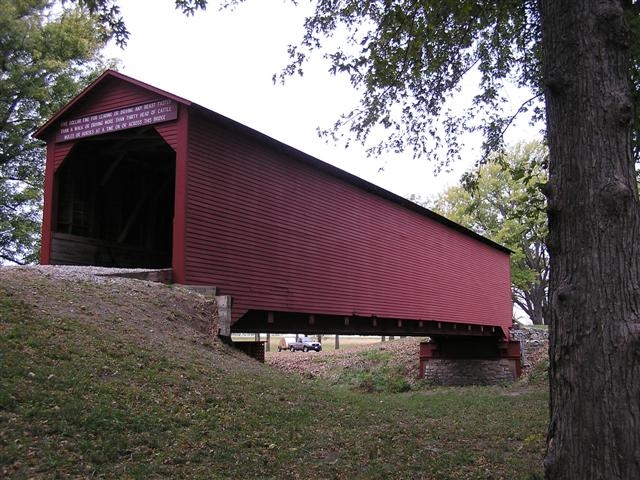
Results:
<point x="79" y="400"/>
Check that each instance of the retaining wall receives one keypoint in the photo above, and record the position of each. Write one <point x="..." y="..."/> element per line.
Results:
<point x="458" y="372"/>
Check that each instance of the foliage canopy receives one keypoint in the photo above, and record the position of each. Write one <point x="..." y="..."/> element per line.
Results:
<point x="46" y="55"/>
<point x="410" y="59"/>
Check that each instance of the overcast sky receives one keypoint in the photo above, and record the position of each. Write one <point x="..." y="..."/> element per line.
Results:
<point x="225" y="60"/>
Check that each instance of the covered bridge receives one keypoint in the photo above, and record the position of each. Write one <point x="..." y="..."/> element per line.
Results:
<point x="138" y="177"/>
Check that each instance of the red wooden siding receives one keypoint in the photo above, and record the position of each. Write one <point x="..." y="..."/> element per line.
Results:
<point x="61" y="150"/>
<point x="278" y="234"/>
<point x="113" y="94"/>
<point x="169" y="132"/>
<point x="109" y="94"/>
<point x="180" y="206"/>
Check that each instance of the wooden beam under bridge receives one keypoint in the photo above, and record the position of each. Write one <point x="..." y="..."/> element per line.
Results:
<point x="256" y="321"/>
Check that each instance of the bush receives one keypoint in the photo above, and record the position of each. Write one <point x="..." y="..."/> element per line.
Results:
<point x="540" y="373"/>
<point x="376" y="375"/>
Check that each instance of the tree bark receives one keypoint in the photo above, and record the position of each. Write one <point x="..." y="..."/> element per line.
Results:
<point x="594" y="242"/>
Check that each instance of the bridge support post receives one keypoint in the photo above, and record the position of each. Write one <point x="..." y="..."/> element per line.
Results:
<point x="225" y="303"/>
<point x="466" y="360"/>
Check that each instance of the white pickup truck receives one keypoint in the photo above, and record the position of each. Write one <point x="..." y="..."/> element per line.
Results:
<point x="304" y="343"/>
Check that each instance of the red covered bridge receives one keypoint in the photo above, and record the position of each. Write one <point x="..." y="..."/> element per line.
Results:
<point x="138" y="177"/>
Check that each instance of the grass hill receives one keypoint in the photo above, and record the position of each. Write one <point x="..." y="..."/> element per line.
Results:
<point x="114" y="378"/>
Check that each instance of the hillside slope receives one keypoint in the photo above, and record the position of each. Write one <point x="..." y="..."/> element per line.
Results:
<point x="112" y="378"/>
<point x="95" y="297"/>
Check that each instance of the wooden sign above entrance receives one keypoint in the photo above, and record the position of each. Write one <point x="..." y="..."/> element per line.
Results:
<point x="121" y="119"/>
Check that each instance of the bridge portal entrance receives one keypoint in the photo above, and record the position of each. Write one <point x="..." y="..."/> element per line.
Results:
<point x="114" y="202"/>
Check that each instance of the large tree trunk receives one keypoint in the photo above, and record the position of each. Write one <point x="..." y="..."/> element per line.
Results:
<point x="536" y="299"/>
<point x="594" y="243"/>
<point x="537" y="312"/>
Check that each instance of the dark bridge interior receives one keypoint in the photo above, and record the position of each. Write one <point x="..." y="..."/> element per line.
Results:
<point x="114" y="202"/>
